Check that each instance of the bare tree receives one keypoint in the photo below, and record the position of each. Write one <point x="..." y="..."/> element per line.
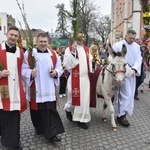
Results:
<point x="103" y="27"/>
<point x="84" y="15"/>
<point x="88" y="14"/>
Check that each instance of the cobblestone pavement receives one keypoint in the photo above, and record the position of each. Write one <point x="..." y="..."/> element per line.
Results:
<point x="99" y="135"/>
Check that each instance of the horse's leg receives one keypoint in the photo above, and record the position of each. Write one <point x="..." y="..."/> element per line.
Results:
<point x="111" y="108"/>
<point x="104" y="111"/>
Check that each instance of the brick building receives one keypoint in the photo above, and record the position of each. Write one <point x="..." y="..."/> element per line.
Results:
<point x="125" y="14"/>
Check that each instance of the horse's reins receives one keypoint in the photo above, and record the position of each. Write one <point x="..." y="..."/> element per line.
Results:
<point x="109" y="71"/>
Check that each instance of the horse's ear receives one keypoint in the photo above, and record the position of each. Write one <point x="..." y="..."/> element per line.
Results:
<point x="111" y="51"/>
<point x="124" y="50"/>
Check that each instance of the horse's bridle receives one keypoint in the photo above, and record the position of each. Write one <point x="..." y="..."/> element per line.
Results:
<point x="115" y="72"/>
<point x="119" y="71"/>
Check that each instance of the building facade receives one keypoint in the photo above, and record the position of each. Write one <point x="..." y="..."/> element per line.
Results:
<point x="125" y="15"/>
<point x="5" y="22"/>
<point x="34" y="33"/>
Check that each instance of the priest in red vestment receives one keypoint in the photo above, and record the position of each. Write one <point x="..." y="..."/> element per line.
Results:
<point x="12" y="96"/>
<point x="78" y="60"/>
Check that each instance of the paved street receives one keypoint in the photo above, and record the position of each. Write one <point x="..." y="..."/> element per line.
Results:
<point x="99" y="136"/>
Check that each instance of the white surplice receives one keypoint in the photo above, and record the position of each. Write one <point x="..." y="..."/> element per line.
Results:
<point x="134" y="59"/>
<point x="81" y="113"/>
<point x="45" y="85"/>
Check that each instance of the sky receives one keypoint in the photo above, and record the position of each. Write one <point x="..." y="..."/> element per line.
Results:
<point x="43" y="14"/>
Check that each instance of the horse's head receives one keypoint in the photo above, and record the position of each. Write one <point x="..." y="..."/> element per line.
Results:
<point x="118" y="65"/>
<point x="122" y="53"/>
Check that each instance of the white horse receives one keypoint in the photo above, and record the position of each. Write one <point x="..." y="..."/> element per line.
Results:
<point x="110" y="80"/>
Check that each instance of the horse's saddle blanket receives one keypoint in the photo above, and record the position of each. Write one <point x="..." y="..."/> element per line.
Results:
<point x="93" y="81"/>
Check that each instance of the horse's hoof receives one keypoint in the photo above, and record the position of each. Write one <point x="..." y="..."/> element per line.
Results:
<point x="114" y="129"/>
<point x="104" y="119"/>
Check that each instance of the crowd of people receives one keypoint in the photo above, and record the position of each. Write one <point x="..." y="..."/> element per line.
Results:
<point x="67" y="68"/>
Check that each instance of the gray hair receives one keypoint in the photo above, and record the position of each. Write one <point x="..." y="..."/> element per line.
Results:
<point x="131" y="31"/>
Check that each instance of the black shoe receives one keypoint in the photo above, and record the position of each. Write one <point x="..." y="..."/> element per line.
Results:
<point x="37" y="132"/>
<point x="19" y="148"/>
<point x="142" y="91"/>
<point x="68" y="115"/>
<point x="136" y="98"/>
<point x="123" y="121"/>
<point x="55" y="139"/>
<point x="15" y="148"/>
<point x="82" y="125"/>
